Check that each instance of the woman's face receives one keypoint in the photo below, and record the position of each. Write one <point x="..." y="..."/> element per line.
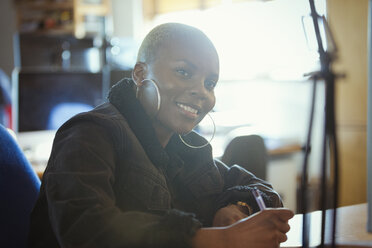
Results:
<point x="186" y="73"/>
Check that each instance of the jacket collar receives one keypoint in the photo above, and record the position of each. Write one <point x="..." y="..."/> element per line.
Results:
<point x="122" y="96"/>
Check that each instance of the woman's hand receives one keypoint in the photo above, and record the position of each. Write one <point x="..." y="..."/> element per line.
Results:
<point x="228" y="215"/>
<point x="267" y="228"/>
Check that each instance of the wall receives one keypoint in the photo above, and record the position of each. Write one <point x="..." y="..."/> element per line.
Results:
<point x="7" y="29"/>
<point x="348" y="21"/>
<point x="127" y="18"/>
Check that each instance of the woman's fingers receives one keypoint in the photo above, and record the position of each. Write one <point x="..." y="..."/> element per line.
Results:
<point x="227" y="216"/>
<point x="282" y="237"/>
<point x="267" y="228"/>
<point x="280" y="225"/>
<point x="283" y="214"/>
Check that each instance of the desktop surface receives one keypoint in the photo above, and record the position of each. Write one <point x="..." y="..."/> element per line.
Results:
<point x="37" y="146"/>
<point x="351" y="228"/>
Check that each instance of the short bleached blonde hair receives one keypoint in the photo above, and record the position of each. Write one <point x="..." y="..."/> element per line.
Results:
<point x="164" y="33"/>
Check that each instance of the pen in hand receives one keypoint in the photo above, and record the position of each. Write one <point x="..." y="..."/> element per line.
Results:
<point x="258" y="197"/>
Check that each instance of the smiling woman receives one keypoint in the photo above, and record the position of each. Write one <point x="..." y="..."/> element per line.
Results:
<point x="119" y="175"/>
<point x="185" y="80"/>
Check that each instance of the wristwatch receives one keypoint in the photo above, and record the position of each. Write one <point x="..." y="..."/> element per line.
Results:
<point x="245" y="208"/>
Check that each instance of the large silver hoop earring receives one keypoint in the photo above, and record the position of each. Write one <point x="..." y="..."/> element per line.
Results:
<point x="196" y="147"/>
<point x="157" y="92"/>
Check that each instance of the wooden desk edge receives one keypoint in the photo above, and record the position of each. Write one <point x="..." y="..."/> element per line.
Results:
<point x="283" y="150"/>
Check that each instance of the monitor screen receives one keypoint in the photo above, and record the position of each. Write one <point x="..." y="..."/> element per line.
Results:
<point x="46" y="99"/>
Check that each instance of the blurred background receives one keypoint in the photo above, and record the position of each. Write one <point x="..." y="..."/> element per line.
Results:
<point x="60" y="57"/>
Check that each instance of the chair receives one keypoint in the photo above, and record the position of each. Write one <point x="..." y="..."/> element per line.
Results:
<point x="19" y="188"/>
<point x="248" y="151"/>
<point x="5" y="100"/>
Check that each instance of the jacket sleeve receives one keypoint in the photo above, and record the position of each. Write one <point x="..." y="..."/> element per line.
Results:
<point x="81" y="199"/>
<point x="238" y="185"/>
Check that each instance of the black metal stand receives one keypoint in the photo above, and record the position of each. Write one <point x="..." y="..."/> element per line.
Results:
<point x="329" y="144"/>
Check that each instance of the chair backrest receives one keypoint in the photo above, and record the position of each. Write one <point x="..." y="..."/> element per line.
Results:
<point x="19" y="188"/>
<point x="248" y="151"/>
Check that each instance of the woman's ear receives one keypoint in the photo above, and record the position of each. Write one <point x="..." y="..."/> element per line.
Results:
<point x="139" y="73"/>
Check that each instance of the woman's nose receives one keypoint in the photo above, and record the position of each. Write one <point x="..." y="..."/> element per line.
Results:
<point x="198" y="90"/>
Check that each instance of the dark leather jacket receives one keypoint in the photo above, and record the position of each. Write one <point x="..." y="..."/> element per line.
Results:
<point x="109" y="183"/>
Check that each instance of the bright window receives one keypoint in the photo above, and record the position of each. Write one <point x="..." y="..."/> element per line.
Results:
<point x="263" y="56"/>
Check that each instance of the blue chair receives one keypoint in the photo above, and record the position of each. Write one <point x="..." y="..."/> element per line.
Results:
<point x="19" y="189"/>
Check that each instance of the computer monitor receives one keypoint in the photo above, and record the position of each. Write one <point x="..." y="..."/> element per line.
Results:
<point x="46" y="99"/>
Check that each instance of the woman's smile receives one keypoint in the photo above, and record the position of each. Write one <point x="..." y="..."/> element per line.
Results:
<point x="189" y="111"/>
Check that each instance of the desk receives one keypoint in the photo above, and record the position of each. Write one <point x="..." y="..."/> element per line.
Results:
<point x="284" y="149"/>
<point x="351" y="228"/>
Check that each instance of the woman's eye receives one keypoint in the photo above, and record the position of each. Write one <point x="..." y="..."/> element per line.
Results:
<point x="183" y="73"/>
<point x="210" y="84"/>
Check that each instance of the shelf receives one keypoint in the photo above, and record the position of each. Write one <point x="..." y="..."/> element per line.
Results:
<point x="45" y="5"/>
<point x="54" y="31"/>
<point x="64" y="17"/>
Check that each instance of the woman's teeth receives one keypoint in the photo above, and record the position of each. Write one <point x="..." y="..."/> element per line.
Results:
<point x="187" y="108"/>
